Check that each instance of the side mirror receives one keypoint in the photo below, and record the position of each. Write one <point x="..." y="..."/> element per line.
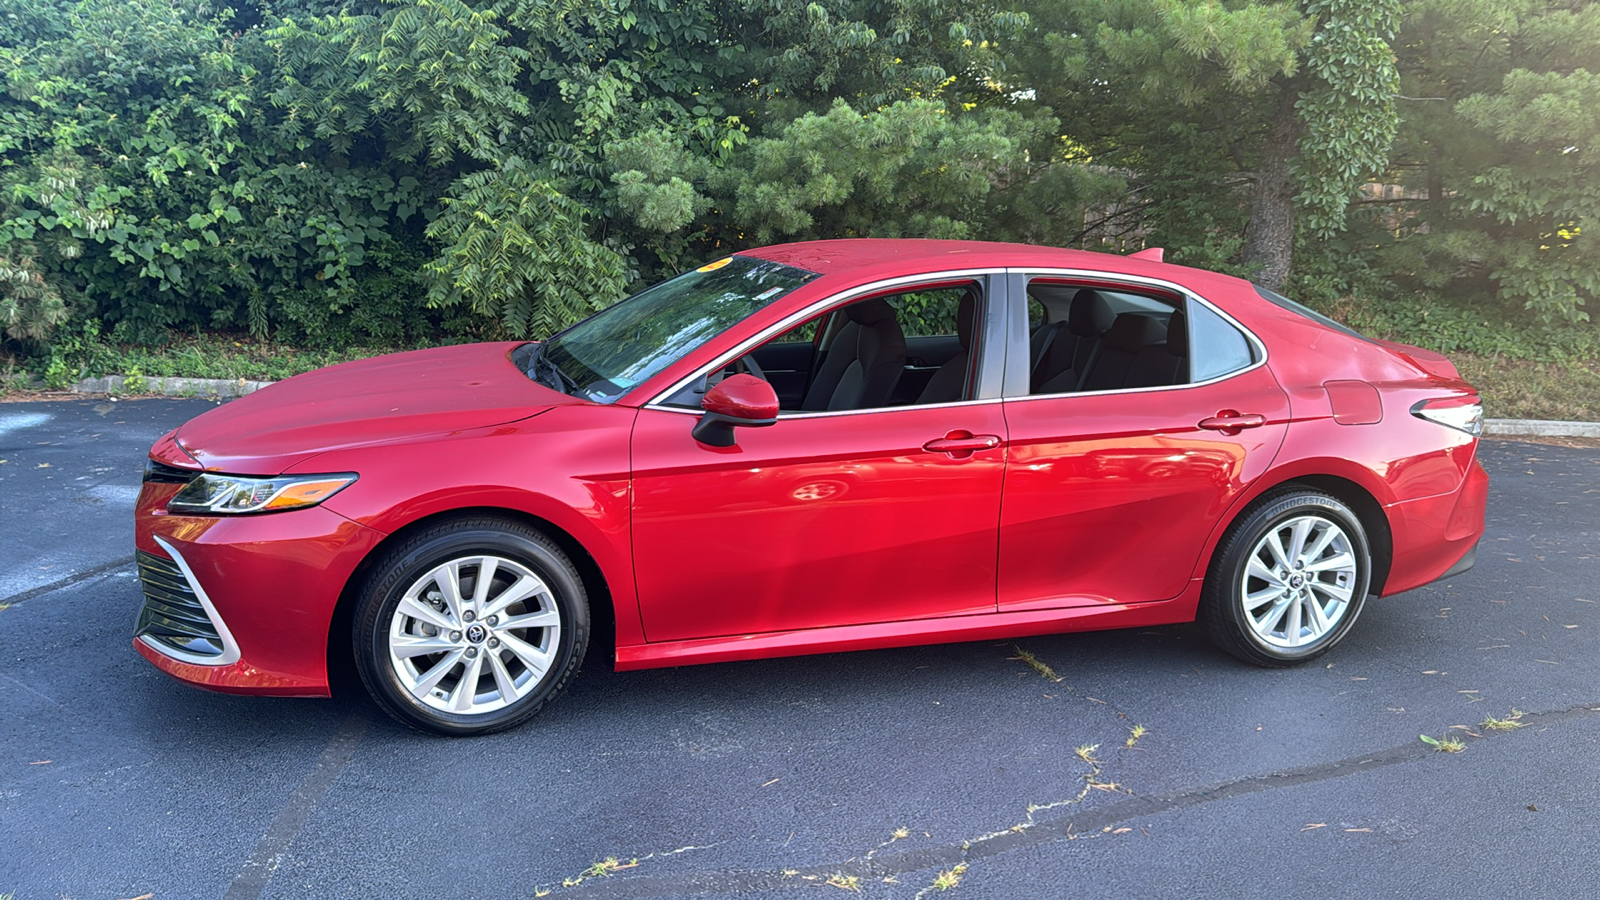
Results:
<point x="737" y="400"/>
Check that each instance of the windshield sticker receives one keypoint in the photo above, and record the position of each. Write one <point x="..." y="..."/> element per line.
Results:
<point x="713" y="266"/>
<point x="769" y="293"/>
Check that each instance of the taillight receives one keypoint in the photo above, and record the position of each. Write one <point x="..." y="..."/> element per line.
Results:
<point x="1460" y="413"/>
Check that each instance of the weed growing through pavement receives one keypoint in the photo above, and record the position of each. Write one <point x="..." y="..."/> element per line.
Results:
<point x="949" y="878"/>
<point x="1447" y="745"/>
<point x="1035" y="663"/>
<point x="1509" y="723"/>
<point x="1134" y="733"/>
<point x="606" y="867"/>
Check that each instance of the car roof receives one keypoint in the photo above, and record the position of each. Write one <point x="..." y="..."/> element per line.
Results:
<point x="874" y="258"/>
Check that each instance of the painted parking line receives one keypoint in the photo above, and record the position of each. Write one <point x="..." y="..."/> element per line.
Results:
<point x="257" y="870"/>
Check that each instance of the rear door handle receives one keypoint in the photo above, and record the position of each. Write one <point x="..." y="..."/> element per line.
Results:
<point x="1230" y="422"/>
<point x="962" y="444"/>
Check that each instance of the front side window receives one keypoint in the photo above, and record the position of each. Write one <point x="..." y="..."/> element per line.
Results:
<point x="909" y="348"/>
<point x="615" y="350"/>
<point x="930" y="313"/>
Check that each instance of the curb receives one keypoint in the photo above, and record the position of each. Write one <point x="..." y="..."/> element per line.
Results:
<point x="200" y="388"/>
<point x="1541" y="428"/>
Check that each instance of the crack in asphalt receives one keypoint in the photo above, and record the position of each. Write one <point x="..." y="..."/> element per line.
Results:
<point x="1067" y="828"/>
<point x="68" y="581"/>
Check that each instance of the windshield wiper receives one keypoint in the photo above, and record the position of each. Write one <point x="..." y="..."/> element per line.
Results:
<point x="549" y="374"/>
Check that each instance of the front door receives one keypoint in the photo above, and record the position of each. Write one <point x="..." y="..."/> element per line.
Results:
<point x="820" y="520"/>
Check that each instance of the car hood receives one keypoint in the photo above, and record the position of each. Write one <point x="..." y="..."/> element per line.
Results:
<point x="371" y="401"/>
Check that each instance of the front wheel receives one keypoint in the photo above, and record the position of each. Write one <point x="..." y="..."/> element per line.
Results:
<point x="1288" y="580"/>
<point x="470" y="626"/>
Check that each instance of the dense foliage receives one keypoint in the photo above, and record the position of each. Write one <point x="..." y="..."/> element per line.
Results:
<point x="342" y="172"/>
<point x="1503" y="150"/>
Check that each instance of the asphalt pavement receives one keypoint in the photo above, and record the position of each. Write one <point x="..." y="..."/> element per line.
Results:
<point x="1154" y="767"/>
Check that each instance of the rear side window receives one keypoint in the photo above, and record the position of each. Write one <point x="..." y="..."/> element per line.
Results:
<point x="1216" y="348"/>
<point x="1284" y="302"/>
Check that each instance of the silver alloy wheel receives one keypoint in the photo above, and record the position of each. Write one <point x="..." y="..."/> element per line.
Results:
<point x="1299" y="581"/>
<point x="474" y="635"/>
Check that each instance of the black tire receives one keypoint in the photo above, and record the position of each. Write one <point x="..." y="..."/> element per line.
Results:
<point x="1238" y="611"/>
<point x="501" y="659"/>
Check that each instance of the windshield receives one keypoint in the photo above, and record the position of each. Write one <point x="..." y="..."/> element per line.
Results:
<point x="613" y="351"/>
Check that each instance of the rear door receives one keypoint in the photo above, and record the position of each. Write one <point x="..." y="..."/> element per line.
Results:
<point x="1111" y="495"/>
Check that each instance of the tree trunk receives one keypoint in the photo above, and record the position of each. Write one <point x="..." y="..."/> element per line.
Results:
<point x="1269" y="238"/>
<point x="1436" y="205"/>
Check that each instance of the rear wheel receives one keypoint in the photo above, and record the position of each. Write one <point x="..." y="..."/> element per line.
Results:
<point x="470" y="626"/>
<point x="1288" y="581"/>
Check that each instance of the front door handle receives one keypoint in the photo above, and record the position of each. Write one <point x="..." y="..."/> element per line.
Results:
<point x="962" y="444"/>
<point x="1230" y="422"/>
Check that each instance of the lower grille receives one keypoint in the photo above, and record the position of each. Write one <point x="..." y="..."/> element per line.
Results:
<point x="172" y="614"/>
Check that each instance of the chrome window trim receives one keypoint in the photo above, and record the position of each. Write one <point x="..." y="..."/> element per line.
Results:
<point x="1134" y="281"/>
<point x="796" y="318"/>
<point x="829" y="414"/>
<point x="230" y="647"/>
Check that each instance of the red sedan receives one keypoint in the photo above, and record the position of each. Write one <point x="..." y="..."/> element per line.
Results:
<point x="826" y="446"/>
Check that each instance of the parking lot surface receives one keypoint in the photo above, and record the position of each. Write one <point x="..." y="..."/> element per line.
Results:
<point x="1149" y="765"/>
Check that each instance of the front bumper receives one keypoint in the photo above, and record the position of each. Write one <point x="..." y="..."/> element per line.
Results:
<point x="243" y="604"/>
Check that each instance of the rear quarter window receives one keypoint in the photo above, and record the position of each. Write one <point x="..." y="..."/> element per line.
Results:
<point x="1216" y="348"/>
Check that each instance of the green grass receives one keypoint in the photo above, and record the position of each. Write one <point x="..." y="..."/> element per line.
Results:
<point x="223" y="356"/>
<point x="1519" y="389"/>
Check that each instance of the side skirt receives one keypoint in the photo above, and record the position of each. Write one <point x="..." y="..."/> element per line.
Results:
<point x="883" y="635"/>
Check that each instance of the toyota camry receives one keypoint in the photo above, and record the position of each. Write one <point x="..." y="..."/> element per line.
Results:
<point x="815" y="447"/>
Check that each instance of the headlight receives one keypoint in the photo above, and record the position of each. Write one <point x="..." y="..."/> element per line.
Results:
<point x="211" y="494"/>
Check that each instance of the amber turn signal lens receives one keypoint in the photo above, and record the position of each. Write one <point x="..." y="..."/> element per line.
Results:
<point x="306" y="493"/>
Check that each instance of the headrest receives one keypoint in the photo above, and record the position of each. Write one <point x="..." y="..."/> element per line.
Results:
<point x="1178" y="334"/>
<point x="1090" y="314"/>
<point x="1132" y="331"/>
<point x="966" y="319"/>
<point x="870" y="312"/>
